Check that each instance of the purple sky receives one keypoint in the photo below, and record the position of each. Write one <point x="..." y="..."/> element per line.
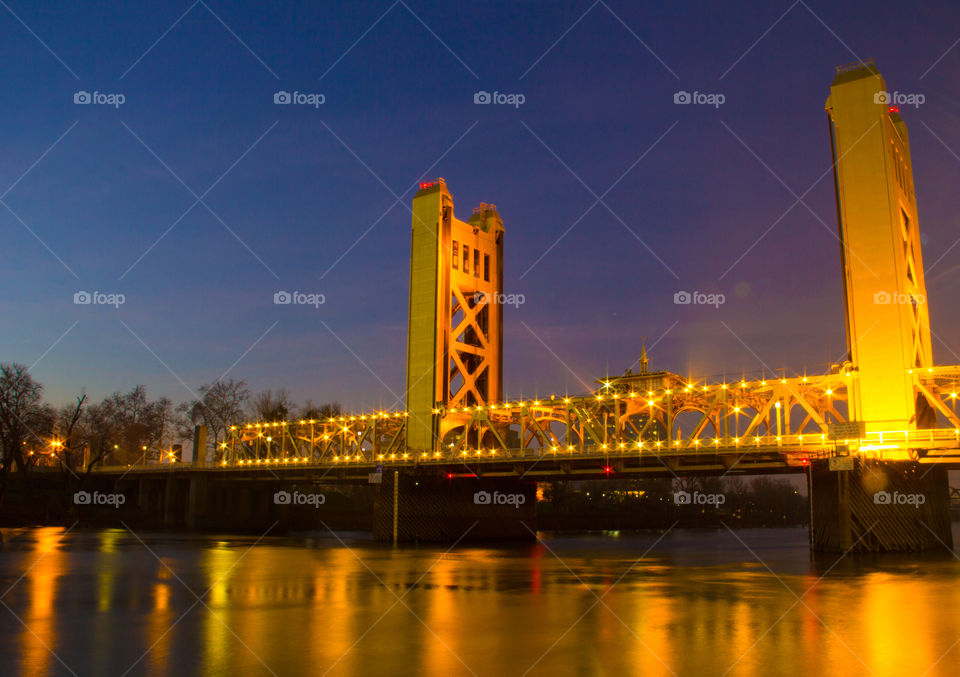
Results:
<point x="314" y="199"/>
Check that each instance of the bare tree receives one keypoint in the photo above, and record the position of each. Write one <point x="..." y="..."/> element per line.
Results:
<point x="23" y="418"/>
<point x="319" y="412"/>
<point x="221" y="404"/>
<point x="40" y="445"/>
<point x="270" y="406"/>
<point x="124" y="427"/>
<point x="71" y="432"/>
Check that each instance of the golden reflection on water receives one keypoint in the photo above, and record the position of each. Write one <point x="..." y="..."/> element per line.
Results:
<point x="439" y="651"/>
<point x="38" y="637"/>
<point x="334" y="610"/>
<point x="219" y="566"/>
<point x="158" y="624"/>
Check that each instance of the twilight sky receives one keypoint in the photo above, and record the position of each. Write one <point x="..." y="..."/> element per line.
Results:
<point x="198" y="198"/>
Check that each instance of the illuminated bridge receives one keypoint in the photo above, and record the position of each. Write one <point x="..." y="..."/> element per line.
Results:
<point x="883" y="419"/>
<point x="629" y="425"/>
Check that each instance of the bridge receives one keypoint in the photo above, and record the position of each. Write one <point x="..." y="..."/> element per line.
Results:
<point x="885" y="418"/>
<point x="630" y="421"/>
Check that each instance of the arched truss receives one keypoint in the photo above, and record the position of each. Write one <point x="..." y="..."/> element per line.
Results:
<point x="628" y="415"/>
<point x="334" y="440"/>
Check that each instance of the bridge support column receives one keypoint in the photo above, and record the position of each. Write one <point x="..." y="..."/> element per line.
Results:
<point x="432" y="508"/>
<point x="898" y="506"/>
<point x="200" y="446"/>
<point x="196" y="500"/>
<point x="170" y="501"/>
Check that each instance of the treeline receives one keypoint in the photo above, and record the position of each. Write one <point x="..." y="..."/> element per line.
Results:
<point x="125" y="427"/>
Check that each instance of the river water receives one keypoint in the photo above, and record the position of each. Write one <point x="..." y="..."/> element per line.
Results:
<point x="690" y="602"/>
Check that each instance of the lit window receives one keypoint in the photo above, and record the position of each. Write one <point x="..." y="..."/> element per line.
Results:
<point x="466" y="259"/>
<point x="456" y="254"/>
<point x="486" y="267"/>
<point x="476" y="263"/>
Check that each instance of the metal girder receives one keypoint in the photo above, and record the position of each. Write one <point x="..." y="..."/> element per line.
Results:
<point x="628" y="416"/>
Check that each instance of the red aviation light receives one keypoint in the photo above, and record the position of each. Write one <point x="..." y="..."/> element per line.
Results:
<point x="430" y="184"/>
<point x="891" y="109"/>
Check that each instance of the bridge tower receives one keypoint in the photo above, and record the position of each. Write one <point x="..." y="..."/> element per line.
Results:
<point x="454" y="360"/>
<point x="888" y="324"/>
<point x="888" y="332"/>
<point x="455" y="329"/>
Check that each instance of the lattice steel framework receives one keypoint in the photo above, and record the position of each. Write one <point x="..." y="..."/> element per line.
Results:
<point x="886" y="402"/>
<point x="628" y="416"/>
<point x="455" y="335"/>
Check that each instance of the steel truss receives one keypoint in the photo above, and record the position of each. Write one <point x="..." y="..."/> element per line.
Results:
<point x="627" y="416"/>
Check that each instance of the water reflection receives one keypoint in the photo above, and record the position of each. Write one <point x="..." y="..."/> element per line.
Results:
<point x="698" y="603"/>
<point x="38" y="638"/>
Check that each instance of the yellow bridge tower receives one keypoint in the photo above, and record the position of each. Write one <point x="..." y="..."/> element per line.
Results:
<point x="888" y="325"/>
<point x="455" y="330"/>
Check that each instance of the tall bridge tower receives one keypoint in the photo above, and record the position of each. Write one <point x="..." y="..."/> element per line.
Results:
<point x="888" y="324"/>
<point x="888" y="333"/>
<point x="455" y="329"/>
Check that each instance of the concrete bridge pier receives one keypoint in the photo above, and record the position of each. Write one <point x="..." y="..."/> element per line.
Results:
<point x="877" y="506"/>
<point x="170" y="501"/>
<point x="196" y="499"/>
<point x="143" y="496"/>
<point x="430" y="507"/>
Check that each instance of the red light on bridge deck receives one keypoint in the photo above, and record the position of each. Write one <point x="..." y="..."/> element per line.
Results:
<point x="449" y="475"/>
<point x="607" y="469"/>
<point x="804" y="461"/>
<point x="893" y="109"/>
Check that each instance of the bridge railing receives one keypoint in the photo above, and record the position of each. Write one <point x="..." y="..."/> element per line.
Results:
<point x="793" y="449"/>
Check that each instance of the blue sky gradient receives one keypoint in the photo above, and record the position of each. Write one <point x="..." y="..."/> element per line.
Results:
<point x="316" y="199"/>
